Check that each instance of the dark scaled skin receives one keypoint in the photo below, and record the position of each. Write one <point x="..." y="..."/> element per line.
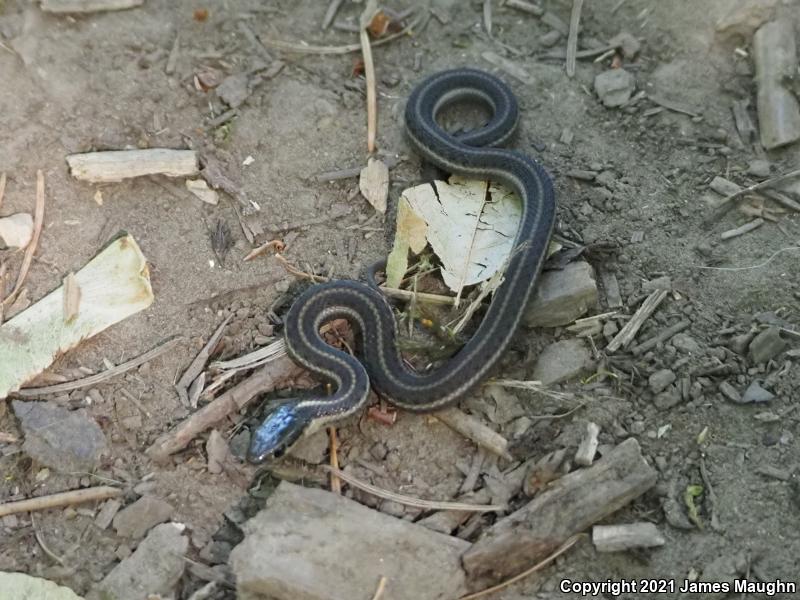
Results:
<point x="279" y="431"/>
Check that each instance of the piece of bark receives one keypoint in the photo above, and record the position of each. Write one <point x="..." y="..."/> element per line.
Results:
<point x="472" y="429"/>
<point x="569" y="506"/>
<point x="616" y="538"/>
<point x="628" y="333"/>
<point x="116" y="165"/>
<point x="310" y="544"/>
<point x="775" y="56"/>
<point x="588" y="446"/>
<point x="87" y="6"/>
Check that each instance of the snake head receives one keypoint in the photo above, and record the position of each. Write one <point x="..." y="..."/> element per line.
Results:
<point x="277" y="433"/>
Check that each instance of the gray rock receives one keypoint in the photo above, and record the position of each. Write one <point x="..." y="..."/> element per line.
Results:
<point x="756" y="393"/>
<point x="661" y="379"/>
<point x="64" y="440"/>
<point x="759" y="168"/>
<point x="550" y="38"/>
<point x="627" y="42"/>
<point x="309" y="544"/>
<point x="686" y="343"/>
<point x="614" y="87"/>
<point x="766" y="345"/>
<point x="659" y="283"/>
<point x="137" y="519"/>
<point x="154" y="569"/>
<point x="739" y="343"/>
<point x="668" y="398"/>
<point x="234" y="89"/>
<point x="561" y="361"/>
<point x="312" y="448"/>
<point x="730" y="392"/>
<point x="562" y="296"/>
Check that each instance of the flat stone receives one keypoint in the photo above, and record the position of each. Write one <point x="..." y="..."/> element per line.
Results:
<point x="756" y="393"/>
<point x="614" y="87"/>
<point x="310" y="544"/>
<point x="562" y="296"/>
<point x="759" y="168"/>
<point x="312" y="448"/>
<point x="730" y="392"/>
<point x="137" y="519"/>
<point x="153" y="570"/>
<point x="668" y="398"/>
<point x="562" y="361"/>
<point x="686" y="343"/>
<point x="64" y="440"/>
<point x="661" y="379"/>
<point x="766" y="345"/>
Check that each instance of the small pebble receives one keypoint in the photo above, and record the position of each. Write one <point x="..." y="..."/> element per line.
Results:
<point x="661" y="379"/>
<point x="756" y="393"/>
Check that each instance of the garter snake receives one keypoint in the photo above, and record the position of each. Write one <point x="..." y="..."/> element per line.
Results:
<point x="472" y="154"/>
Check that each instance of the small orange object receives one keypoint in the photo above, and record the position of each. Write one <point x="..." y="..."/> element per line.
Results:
<point x="200" y="14"/>
<point x="379" y="24"/>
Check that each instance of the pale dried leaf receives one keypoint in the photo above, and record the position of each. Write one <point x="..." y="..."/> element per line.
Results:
<point x="72" y="297"/>
<point x="471" y="236"/>
<point x="374" y="184"/>
<point x="410" y="235"/>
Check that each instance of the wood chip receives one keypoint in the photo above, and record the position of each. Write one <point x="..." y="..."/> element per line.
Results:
<point x="374" y="184"/>
<point x="588" y="446"/>
<point x="508" y="66"/>
<point x="116" y="165"/>
<point x="87" y="6"/>
<point x="72" y="297"/>
<point x="627" y="333"/>
<point x="747" y="227"/>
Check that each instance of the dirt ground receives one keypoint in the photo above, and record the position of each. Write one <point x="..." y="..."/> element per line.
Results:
<point x="80" y="83"/>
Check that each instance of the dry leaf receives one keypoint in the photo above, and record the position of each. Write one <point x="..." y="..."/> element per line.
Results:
<point x="72" y="297"/>
<point x="374" y="184"/>
<point x="471" y="232"/>
<point x="200" y="188"/>
<point x="410" y="235"/>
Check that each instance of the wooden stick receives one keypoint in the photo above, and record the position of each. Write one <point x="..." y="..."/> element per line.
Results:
<point x="336" y="483"/>
<point x="626" y="335"/>
<point x="369" y="73"/>
<point x="38" y="222"/>
<point x="725" y="205"/>
<point x="272" y="375"/>
<point x="198" y="364"/>
<point x="2" y="187"/>
<point x="330" y="14"/>
<point x="732" y="233"/>
<point x="116" y="165"/>
<point x="537" y="567"/>
<point x="472" y="429"/>
<point x="572" y="38"/>
<point x="379" y="590"/>
<point x="568" y="507"/>
<point x="61" y="499"/>
<point x="68" y="386"/>
<point x="527" y="7"/>
<point x="346" y="49"/>
<point x="662" y="336"/>
<point x="409" y="500"/>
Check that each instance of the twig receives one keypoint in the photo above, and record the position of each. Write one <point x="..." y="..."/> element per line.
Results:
<point x="724" y="205"/>
<point x="336" y="483"/>
<point x="58" y="500"/>
<point x="660" y="337"/>
<point x="537" y="567"/>
<point x="626" y="335"/>
<point x="369" y="73"/>
<point x="276" y="245"/>
<point x="572" y="38"/>
<point x="330" y="14"/>
<point x="40" y="540"/>
<point x="418" y="296"/>
<point x="747" y="227"/>
<point x="409" y="500"/>
<point x="487" y="16"/>
<point x="712" y="496"/>
<point x="757" y="266"/>
<point x="38" y="222"/>
<point x="379" y="590"/>
<point x="68" y="386"/>
<point x="198" y="364"/>
<point x="346" y="49"/>
<point x="299" y="273"/>
<point x="468" y="485"/>
<point x="255" y="42"/>
<point x="270" y="376"/>
<point x="472" y="429"/>
<point x="2" y="187"/>
<point x="527" y="7"/>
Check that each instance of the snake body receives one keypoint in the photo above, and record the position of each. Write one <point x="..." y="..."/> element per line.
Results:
<point x="472" y="154"/>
